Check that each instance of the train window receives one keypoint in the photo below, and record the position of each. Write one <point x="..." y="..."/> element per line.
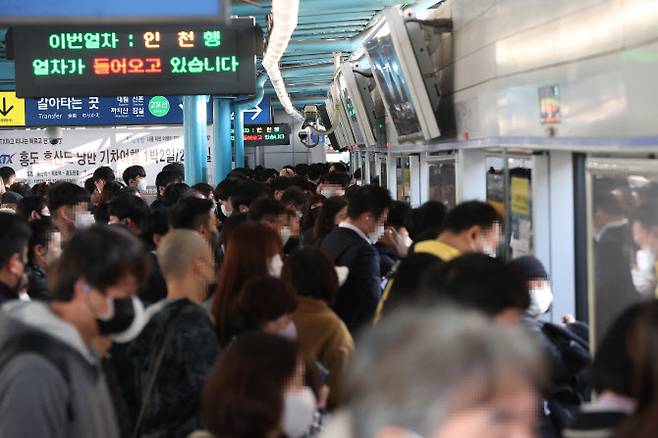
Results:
<point x="442" y="182"/>
<point x="383" y="173"/>
<point x="623" y="237"/>
<point x="372" y="162"/>
<point x="403" y="179"/>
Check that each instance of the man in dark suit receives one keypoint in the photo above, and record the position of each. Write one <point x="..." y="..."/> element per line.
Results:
<point x="613" y="282"/>
<point x="351" y="245"/>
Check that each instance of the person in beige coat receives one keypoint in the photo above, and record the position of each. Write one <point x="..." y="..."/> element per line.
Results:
<point x="323" y="336"/>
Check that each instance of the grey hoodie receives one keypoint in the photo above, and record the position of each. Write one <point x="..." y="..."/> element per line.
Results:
<point x="33" y="393"/>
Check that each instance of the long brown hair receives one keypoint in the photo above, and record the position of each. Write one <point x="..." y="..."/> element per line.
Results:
<point x="249" y="249"/>
<point x="644" y="423"/>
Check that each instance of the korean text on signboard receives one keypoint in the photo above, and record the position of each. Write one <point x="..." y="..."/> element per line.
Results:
<point x="266" y="135"/>
<point x="114" y="60"/>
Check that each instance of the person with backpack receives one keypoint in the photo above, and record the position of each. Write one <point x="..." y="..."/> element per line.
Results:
<point x="51" y="382"/>
<point x="567" y="352"/>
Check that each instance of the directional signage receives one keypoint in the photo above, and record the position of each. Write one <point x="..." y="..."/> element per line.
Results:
<point x="266" y="135"/>
<point x="105" y="111"/>
<point x="114" y="60"/>
<point x="261" y="114"/>
<point x="12" y="109"/>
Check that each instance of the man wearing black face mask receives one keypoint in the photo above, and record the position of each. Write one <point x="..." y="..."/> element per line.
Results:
<point x="14" y="239"/>
<point x="51" y="383"/>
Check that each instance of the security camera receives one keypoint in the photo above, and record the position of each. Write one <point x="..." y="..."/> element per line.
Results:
<point x="54" y="135"/>
<point x="303" y="135"/>
<point x="311" y="115"/>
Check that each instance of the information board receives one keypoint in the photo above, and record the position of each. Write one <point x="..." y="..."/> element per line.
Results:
<point x="265" y="135"/>
<point x="106" y="111"/>
<point x="114" y="60"/>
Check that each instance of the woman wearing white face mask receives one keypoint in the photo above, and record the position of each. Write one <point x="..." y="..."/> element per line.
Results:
<point x="257" y="389"/>
<point x="253" y="250"/>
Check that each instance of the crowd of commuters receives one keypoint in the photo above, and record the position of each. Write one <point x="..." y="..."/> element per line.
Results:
<point x="297" y="303"/>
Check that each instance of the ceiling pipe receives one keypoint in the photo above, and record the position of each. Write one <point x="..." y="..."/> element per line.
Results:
<point x="284" y="13"/>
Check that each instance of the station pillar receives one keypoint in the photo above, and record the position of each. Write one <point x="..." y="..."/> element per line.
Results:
<point x="221" y="122"/>
<point x="195" y="118"/>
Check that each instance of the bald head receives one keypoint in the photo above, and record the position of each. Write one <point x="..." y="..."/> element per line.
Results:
<point x="180" y="252"/>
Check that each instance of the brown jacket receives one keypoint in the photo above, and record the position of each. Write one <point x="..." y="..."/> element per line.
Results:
<point x="324" y="338"/>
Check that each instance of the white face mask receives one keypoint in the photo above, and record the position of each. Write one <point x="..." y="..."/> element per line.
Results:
<point x="377" y="234"/>
<point x="330" y="193"/>
<point x="83" y="220"/>
<point x="225" y="211"/>
<point x="285" y="235"/>
<point x="289" y="332"/>
<point x="540" y="300"/>
<point x="275" y="266"/>
<point x="141" y="185"/>
<point x="342" y="272"/>
<point x="298" y="412"/>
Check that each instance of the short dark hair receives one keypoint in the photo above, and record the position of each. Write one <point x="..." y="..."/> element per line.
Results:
<point x="311" y="273"/>
<point x="20" y="187"/>
<point x="341" y="178"/>
<point x="316" y="171"/>
<point x="167" y="177"/>
<point x="613" y="368"/>
<point x="295" y="196"/>
<point x="89" y="185"/>
<point x="6" y="173"/>
<point x="130" y="207"/>
<point x="157" y="222"/>
<point x="204" y="188"/>
<point x="280" y="183"/>
<point x="301" y="169"/>
<point x="300" y="181"/>
<point x="426" y="219"/>
<point x="246" y="192"/>
<point x="14" y="236"/>
<point x="102" y="255"/>
<point x="40" y="189"/>
<point x="266" y="209"/>
<point x="191" y="213"/>
<point x="606" y="201"/>
<point x="647" y="216"/>
<point x="29" y="204"/>
<point x="174" y="192"/>
<point x="397" y="215"/>
<point x="179" y="168"/>
<point x="133" y="172"/>
<point x="65" y="194"/>
<point x="225" y="189"/>
<point x="470" y="214"/>
<point x="479" y="282"/>
<point x="368" y="199"/>
<point x="105" y="173"/>
<point x="42" y="230"/>
<point x="243" y="395"/>
<point x="338" y="167"/>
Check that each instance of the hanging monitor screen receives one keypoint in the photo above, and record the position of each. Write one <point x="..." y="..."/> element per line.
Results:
<point x="111" y="60"/>
<point x="387" y="71"/>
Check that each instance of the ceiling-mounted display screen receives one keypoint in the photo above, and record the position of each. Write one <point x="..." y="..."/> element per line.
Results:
<point x="350" y="110"/>
<point x="341" y="115"/>
<point x="125" y="59"/>
<point x="358" y="103"/>
<point x="402" y="82"/>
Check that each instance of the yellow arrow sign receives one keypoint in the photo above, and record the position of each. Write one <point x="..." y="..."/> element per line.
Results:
<point x="12" y="109"/>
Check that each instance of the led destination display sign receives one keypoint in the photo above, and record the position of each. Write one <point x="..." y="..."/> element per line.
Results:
<point x="266" y="135"/>
<point x="111" y="60"/>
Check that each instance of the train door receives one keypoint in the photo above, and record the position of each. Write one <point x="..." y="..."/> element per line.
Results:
<point x="438" y="178"/>
<point x="622" y="240"/>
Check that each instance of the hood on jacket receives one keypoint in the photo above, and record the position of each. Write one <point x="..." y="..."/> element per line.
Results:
<point x="23" y="316"/>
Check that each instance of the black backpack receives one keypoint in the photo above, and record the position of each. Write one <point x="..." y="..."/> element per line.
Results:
<point x="46" y="347"/>
<point x="565" y="398"/>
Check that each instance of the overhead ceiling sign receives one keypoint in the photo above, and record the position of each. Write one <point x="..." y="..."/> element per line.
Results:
<point x="12" y="109"/>
<point x="36" y="11"/>
<point x="144" y="59"/>
<point x="266" y="135"/>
